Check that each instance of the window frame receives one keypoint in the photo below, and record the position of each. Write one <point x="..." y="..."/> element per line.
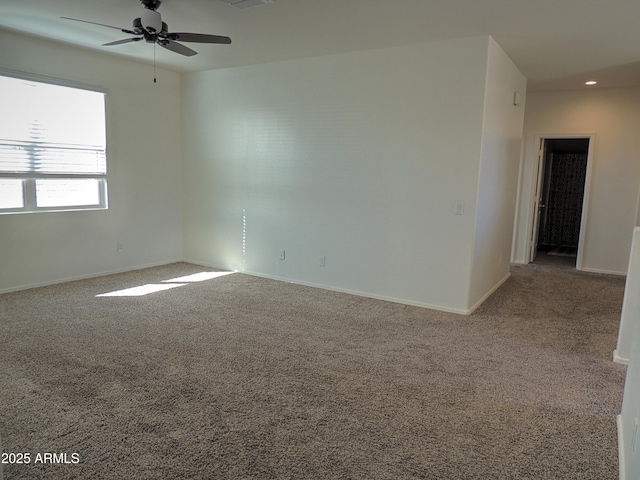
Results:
<point x="29" y="179"/>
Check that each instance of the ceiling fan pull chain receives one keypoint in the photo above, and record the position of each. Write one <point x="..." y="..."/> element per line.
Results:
<point x="154" y="63"/>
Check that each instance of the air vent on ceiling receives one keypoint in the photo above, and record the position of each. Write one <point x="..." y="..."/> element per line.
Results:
<point x="246" y="3"/>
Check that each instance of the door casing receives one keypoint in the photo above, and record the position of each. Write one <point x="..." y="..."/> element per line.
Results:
<point x="534" y="201"/>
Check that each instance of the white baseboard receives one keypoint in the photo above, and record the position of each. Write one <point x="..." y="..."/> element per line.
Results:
<point x="272" y="277"/>
<point x="489" y="293"/>
<point x="608" y="272"/>
<point x="338" y="289"/>
<point x="385" y="298"/>
<point x="87" y="276"/>
<point x="618" y="359"/>
<point x="210" y="265"/>
<point x="362" y="294"/>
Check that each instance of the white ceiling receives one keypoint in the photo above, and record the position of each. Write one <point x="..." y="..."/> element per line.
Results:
<point x="557" y="44"/>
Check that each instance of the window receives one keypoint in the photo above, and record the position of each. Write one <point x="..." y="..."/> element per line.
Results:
<point x="52" y="147"/>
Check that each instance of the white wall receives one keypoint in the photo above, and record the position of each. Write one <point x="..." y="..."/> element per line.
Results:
<point x="498" y="174"/>
<point x="613" y="117"/>
<point x="628" y="341"/>
<point x="358" y="157"/>
<point x="144" y="151"/>
<point x="629" y="419"/>
<point x="630" y="315"/>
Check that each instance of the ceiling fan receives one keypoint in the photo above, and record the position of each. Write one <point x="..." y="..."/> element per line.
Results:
<point x="150" y="28"/>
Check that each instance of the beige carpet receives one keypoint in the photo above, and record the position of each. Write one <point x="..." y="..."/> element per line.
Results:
<point x="246" y="378"/>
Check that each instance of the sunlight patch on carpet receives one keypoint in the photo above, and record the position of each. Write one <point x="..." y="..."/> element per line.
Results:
<point x="165" y="285"/>
<point x="142" y="290"/>
<point x="198" y="277"/>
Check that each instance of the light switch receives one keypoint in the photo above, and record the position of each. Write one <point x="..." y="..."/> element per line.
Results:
<point x="459" y="208"/>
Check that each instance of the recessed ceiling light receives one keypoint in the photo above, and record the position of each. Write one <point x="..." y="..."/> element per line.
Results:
<point x="590" y="82"/>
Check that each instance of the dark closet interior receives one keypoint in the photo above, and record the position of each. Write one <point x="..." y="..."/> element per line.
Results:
<point x="564" y="175"/>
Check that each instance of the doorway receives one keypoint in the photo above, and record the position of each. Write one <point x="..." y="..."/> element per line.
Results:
<point x="560" y="193"/>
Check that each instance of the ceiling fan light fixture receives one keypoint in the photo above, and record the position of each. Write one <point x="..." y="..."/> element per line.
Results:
<point x="151" y="20"/>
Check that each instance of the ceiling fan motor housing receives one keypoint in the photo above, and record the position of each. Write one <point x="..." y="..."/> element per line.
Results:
<point x="151" y="4"/>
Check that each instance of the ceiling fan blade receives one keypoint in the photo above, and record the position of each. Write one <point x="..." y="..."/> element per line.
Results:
<point x="199" y="38"/>
<point x="177" y="48"/>
<point x="124" y="40"/>
<point x="123" y="30"/>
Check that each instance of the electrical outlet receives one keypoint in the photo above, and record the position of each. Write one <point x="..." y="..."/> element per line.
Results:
<point x="281" y="255"/>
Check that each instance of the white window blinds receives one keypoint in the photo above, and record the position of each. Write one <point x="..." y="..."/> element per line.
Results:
<point x="52" y="147"/>
<point x="51" y="129"/>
